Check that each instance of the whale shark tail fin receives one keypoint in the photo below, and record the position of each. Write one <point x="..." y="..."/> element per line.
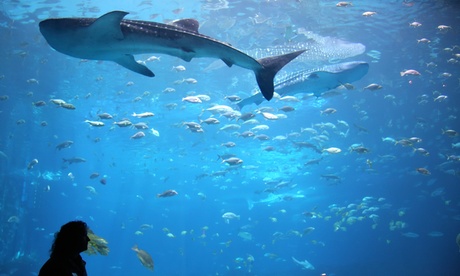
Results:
<point x="271" y="66"/>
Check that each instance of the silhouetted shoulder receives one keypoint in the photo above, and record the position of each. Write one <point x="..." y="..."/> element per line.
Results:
<point x="54" y="267"/>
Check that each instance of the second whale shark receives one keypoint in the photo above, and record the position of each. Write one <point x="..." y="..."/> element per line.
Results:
<point x="110" y="37"/>
<point x="314" y="81"/>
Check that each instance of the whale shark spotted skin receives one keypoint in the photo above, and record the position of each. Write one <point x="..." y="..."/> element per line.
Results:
<point x="110" y="37"/>
<point x="314" y="81"/>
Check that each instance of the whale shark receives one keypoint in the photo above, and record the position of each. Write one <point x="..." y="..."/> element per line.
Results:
<point x="320" y="48"/>
<point x="314" y="81"/>
<point x="111" y="37"/>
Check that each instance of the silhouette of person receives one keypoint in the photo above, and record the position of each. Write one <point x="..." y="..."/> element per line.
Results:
<point x="65" y="259"/>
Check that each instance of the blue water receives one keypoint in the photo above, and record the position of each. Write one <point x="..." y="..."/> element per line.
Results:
<point x="381" y="218"/>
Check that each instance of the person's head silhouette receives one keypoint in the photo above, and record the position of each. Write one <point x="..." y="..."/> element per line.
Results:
<point x="71" y="239"/>
<point x="65" y="259"/>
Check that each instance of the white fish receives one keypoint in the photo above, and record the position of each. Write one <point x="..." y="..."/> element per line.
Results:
<point x="179" y="68"/>
<point x="251" y="122"/>
<point x="191" y="99"/>
<point x="169" y="90"/>
<point x="260" y="127"/>
<point x="230" y="127"/>
<point x="269" y="116"/>
<point x="305" y="264"/>
<point x="332" y="150"/>
<point x="388" y="139"/>
<point x="155" y="132"/>
<point x="279" y="138"/>
<point x="220" y="109"/>
<point x="153" y="58"/>
<point x="229" y="215"/>
<point x="289" y="99"/>
<point x="343" y="123"/>
<point x="190" y="80"/>
<point x="309" y="130"/>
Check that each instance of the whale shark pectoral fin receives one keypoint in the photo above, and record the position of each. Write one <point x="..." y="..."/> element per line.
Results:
<point x="187" y="54"/>
<point x="108" y="25"/>
<point x="229" y="63"/>
<point x="130" y="63"/>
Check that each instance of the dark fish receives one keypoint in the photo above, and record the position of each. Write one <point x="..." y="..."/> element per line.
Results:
<point x="144" y="257"/>
<point x="233" y="98"/>
<point x="360" y="149"/>
<point x="138" y="135"/>
<point x="64" y="145"/>
<point x="228" y="145"/>
<point x="68" y="106"/>
<point x="331" y="177"/>
<point x="32" y="164"/>
<point x="307" y="145"/>
<point x="287" y="108"/>
<point x="361" y="128"/>
<point x="94" y="175"/>
<point x="168" y="193"/>
<point x="123" y="123"/>
<point x="74" y="160"/>
<point x="313" y="162"/>
<point x="219" y="173"/>
<point x="246" y="116"/>
<point x="140" y="126"/>
<point x="39" y="103"/>
<point x="105" y="116"/>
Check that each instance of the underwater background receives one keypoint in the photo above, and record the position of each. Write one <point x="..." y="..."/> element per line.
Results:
<point x="391" y="208"/>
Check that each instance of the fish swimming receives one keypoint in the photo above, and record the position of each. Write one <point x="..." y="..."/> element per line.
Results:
<point x="110" y="37"/>
<point x="144" y="257"/>
<point x="315" y="81"/>
<point x="74" y="160"/>
<point x="304" y="264"/>
<point x="274" y="198"/>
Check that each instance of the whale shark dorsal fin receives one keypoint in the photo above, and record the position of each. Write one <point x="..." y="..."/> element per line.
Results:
<point x="109" y="24"/>
<point x="188" y="24"/>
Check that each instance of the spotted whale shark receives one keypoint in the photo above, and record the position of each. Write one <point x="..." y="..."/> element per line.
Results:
<point x="111" y="37"/>
<point x="316" y="81"/>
